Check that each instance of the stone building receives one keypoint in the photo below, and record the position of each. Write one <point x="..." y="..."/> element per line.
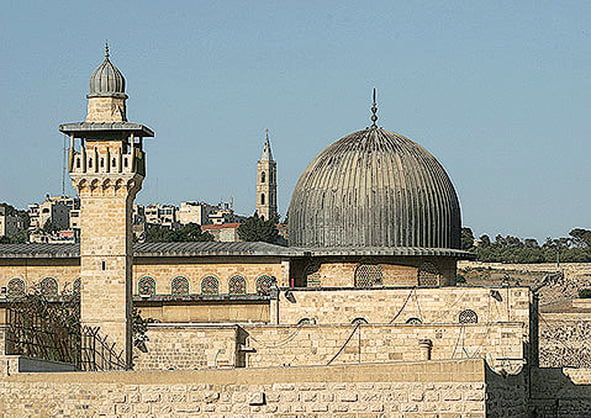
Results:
<point x="54" y="209"/>
<point x="9" y="224"/>
<point x="266" y="183"/>
<point x="364" y="300"/>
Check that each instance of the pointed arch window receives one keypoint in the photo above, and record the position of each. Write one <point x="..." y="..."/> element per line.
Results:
<point x="48" y="286"/>
<point x="179" y="286"/>
<point x="237" y="285"/>
<point x="264" y="284"/>
<point x="263" y="177"/>
<point x="262" y="198"/>
<point x="16" y="288"/>
<point x="210" y="285"/>
<point x="146" y="286"/>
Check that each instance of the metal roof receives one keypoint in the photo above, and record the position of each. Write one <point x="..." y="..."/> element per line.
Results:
<point x="155" y="249"/>
<point x="388" y="251"/>
<point x="83" y="129"/>
<point x="374" y="189"/>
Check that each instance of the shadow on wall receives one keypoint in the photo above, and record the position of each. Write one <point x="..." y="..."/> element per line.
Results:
<point x="560" y="392"/>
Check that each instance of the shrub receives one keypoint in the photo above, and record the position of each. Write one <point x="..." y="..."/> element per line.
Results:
<point x="585" y="293"/>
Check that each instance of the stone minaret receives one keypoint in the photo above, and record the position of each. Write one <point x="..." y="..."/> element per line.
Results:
<point x="266" y="182"/>
<point x="107" y="167"/>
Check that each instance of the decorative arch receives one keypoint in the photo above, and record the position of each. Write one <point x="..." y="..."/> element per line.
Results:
<point x="414" y="321"/>
<point x="179" y="286"/>
<point x="264" y="284"/>
<point x="48" y="287"/>
<point x="146" y="286"/>
<point x="428" y="275"/>
<point x="368" y="275"/>
<point x="16" y="288"/>
<point x="77" y="286"/>
<point x="358" y="321"/>
<point x="210" y="285"/>
<point x="468" y="316"/>
<point x="237" y="285"/>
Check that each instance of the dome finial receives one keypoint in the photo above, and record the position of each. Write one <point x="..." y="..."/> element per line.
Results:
<point x="374" y="110"/>
<point x="107" y="48"/>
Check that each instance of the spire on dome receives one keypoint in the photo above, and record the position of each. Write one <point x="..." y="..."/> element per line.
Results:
<point x="267" y="155"/>
<point x="374" y="110"/>
<point x="106" y="49"/>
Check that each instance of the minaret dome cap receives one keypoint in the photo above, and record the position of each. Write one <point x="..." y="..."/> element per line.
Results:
<point x="107" y="80"/>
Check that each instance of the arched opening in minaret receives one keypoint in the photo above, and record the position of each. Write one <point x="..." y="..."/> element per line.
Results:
<point x="263" y="177"/>
<point x="262" y="198"/>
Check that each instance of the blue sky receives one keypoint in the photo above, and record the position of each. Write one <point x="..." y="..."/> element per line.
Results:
<point x="497" y="91"/>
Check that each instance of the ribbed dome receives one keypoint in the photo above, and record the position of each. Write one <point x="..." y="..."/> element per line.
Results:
<point x="374" y="188"/>
<point x="107" y="80"/>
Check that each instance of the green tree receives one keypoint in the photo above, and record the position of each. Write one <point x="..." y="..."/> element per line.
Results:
<point x="188" y="233"/>
<point x="581" y="237"/>
<point x="467" y="238"/>
<point x="258" y="229"/>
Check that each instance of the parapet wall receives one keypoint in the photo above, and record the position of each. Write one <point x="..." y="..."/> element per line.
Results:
<point x="455" y="388"/>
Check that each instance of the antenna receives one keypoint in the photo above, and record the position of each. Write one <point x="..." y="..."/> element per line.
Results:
<point x="64" y="166"/>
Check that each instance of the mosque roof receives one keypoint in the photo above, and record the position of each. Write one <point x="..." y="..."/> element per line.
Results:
<point x="375" y="189"/>
<point x="106" y="79"/>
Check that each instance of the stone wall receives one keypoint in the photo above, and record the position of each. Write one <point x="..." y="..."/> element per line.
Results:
<point x="561" y="393"/>
<point x="189" y="347"/>
<point x="321" y="344"/>
<point x="450" y="389"/>
<point x="383" y="306"/>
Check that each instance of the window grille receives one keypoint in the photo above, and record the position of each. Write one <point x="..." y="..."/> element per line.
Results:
<point x="16" y="288"/>
<point x="48" y="286"/>
<point x="237" y="285"/>
<point x="468" y="317"/>
<point x="147" y="286"/>
<point x="368" y="275"/>
<point x="428" y="275"/>
<point x="264" y="284"/>
<point x="414" y="321"/>
<point x="179" y="286"/>
<point x="210" y="286"/>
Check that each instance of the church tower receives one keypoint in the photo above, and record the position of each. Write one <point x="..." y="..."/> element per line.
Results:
<point x="266" y="197"/>
<point x="107" y="165"/>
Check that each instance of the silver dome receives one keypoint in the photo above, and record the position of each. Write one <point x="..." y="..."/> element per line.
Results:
<point x="107" y="80"/>
<point x="374" y="188"/>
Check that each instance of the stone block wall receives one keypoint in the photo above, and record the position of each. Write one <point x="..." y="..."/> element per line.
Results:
<point x="319" y="344"/>
<point x="442" y="305"/>
<point x="560" y="392"/>
<point x="189" y="348"/>
<point x="444" y="389"/>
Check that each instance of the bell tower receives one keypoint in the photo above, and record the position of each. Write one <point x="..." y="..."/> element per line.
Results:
<point x="266" y="198"/>
<point x="107" y="165"/>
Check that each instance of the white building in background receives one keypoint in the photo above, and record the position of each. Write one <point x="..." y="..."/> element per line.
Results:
<point x="55" y="209"/>
<point x="196" y="213"/>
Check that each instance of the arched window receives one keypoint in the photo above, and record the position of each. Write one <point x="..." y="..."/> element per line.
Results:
<point x="262" y="198"/>
<point x="428" y="275"/>
<point x="146" y="286"/>
<point x="357" y="321"/>
<point x="414" y="321"/>
<point x="468" y="317"/>
<point x="237" y="285"/>
<point x="263" y="177"/>
<point x="77" y="286"/>
<point x="210" y="286"/>
<point x="264" y="284"/>
<point x="270" y="176"/>
<point x="368" y="275"/>
<point x="179" y="286"/>
<point x="16" y="288"/>
<point x="48" y="286"/>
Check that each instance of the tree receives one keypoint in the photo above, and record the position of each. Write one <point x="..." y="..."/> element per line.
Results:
<point x="188" y="233"/>
<point x="581" y="237"/>
<point x="259" y="229"/>
<point x="484" y="240"/>
<point x="467" y="238"/>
